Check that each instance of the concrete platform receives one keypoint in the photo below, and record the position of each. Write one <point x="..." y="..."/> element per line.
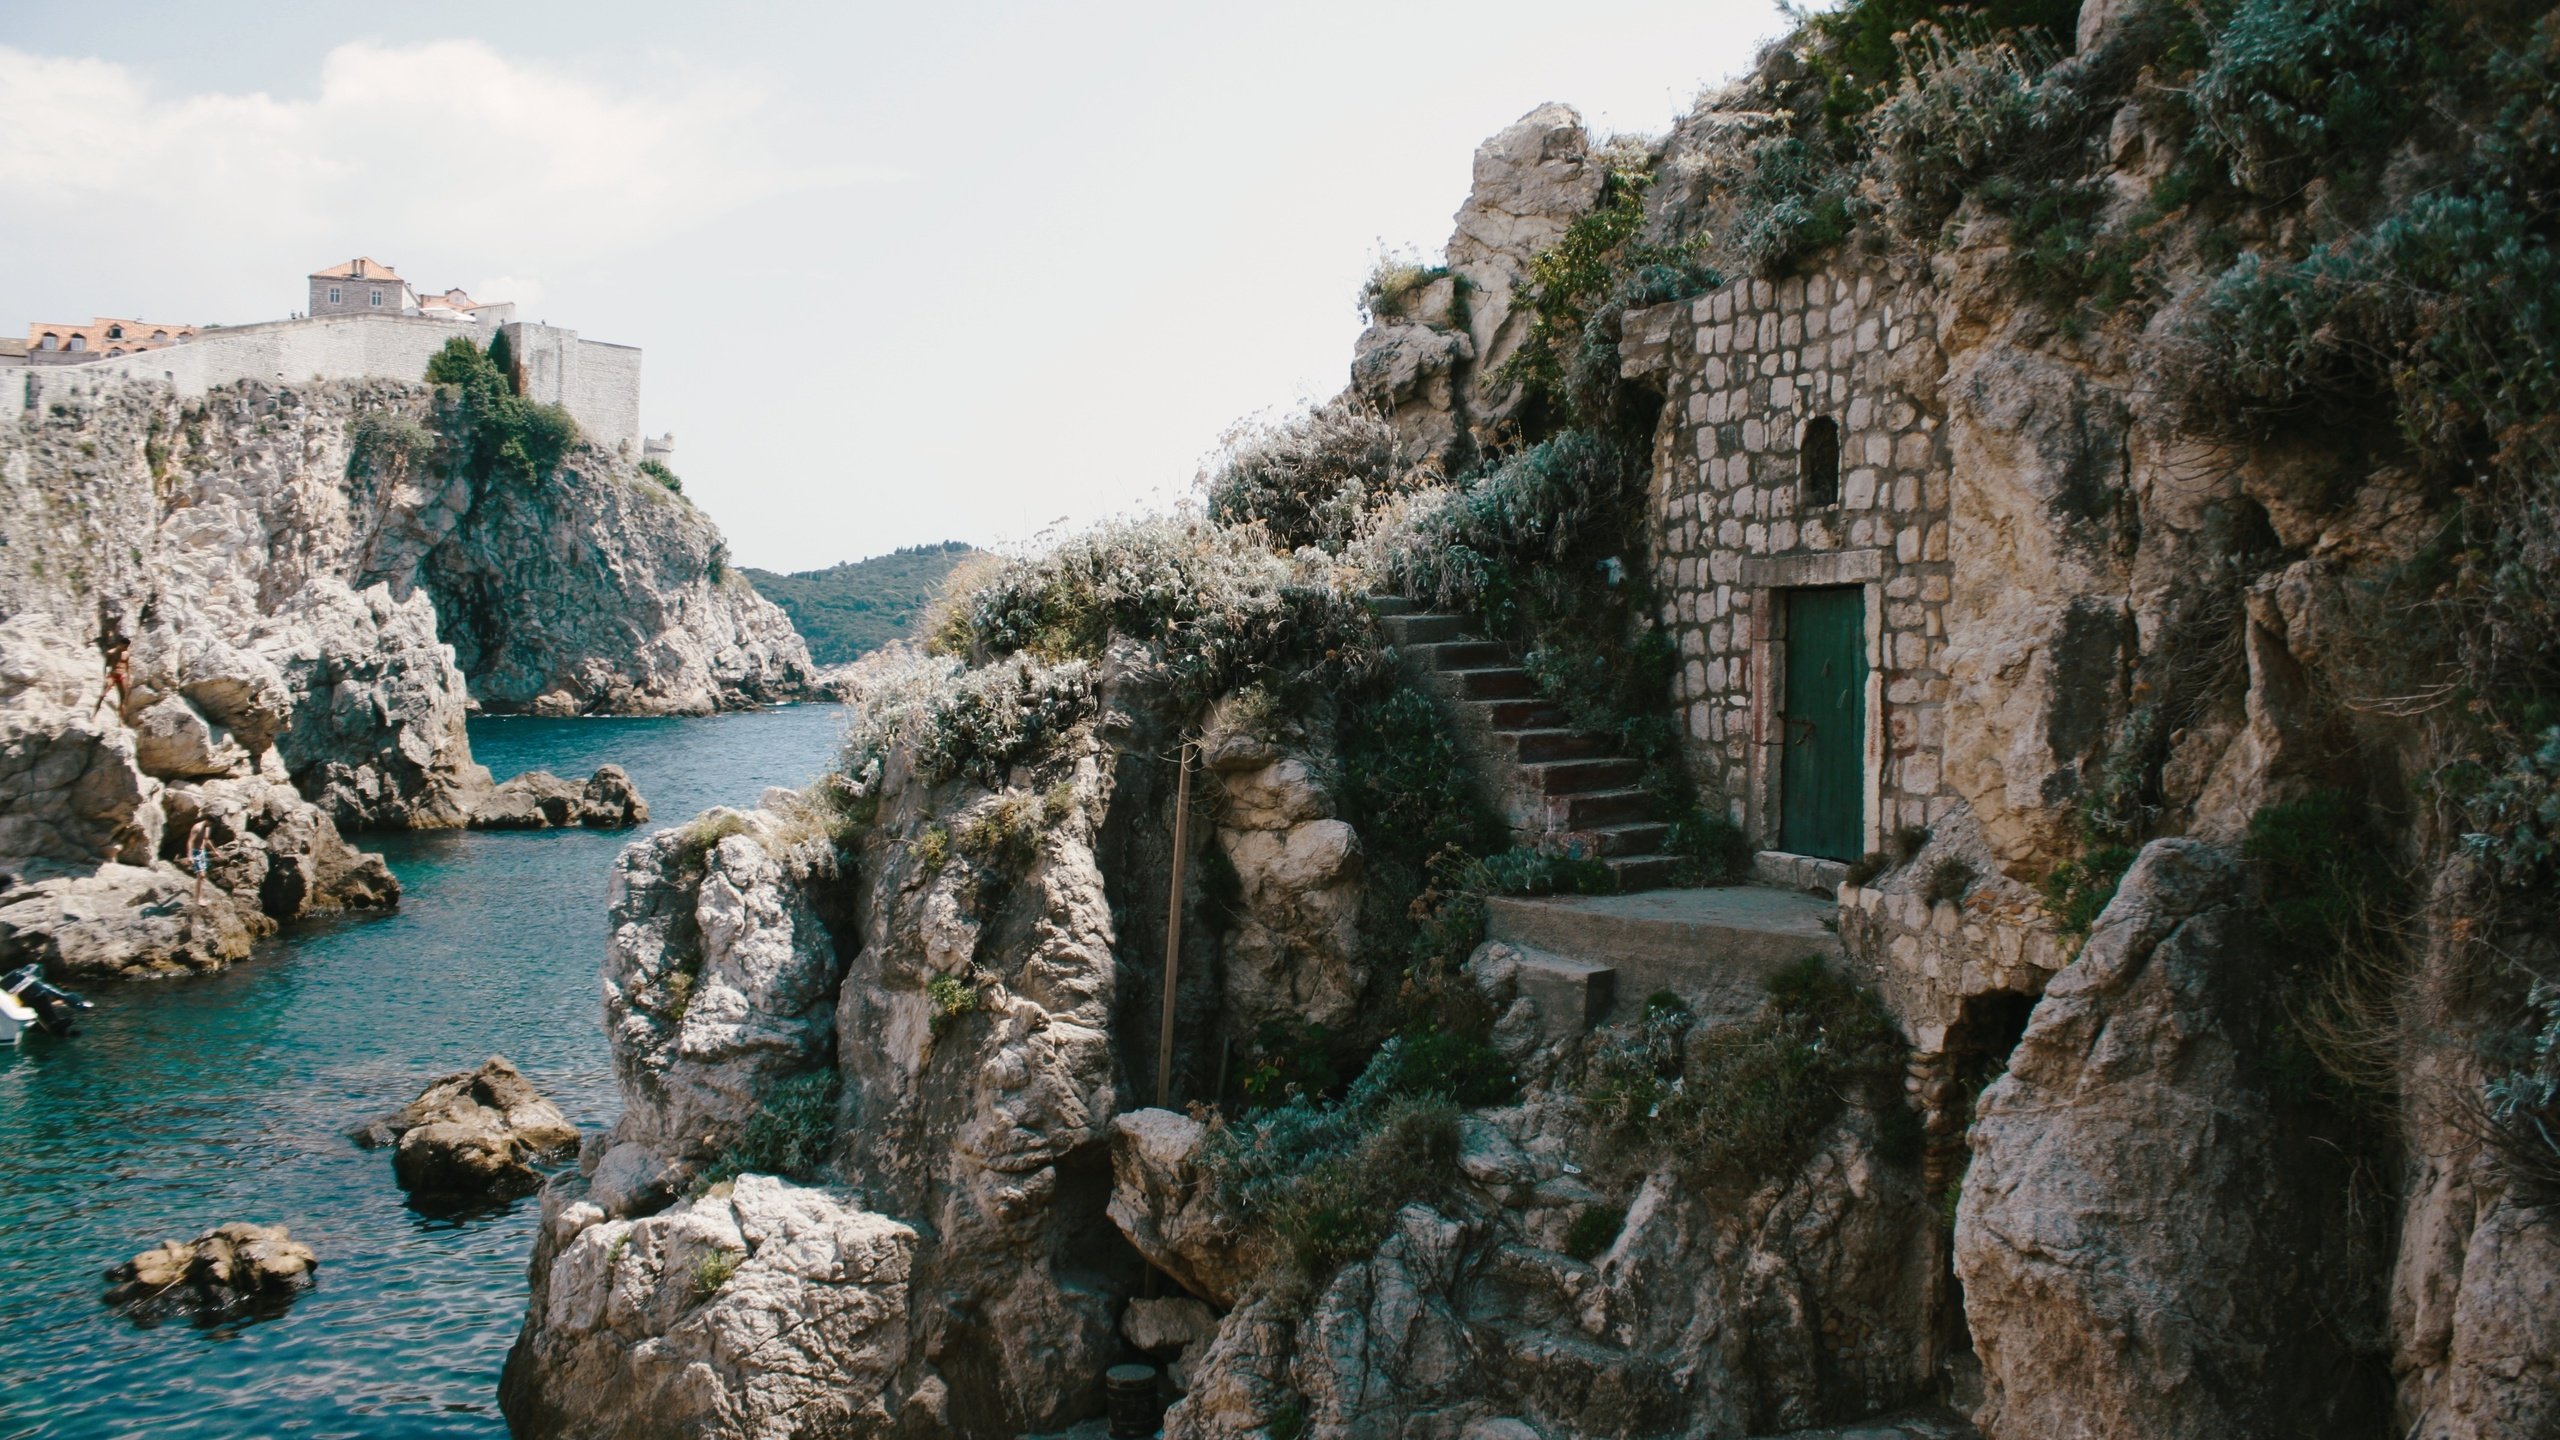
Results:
<point x="1714" y="948"/>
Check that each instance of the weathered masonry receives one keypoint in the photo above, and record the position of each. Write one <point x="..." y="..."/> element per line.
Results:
<point x="1799" y="514"/>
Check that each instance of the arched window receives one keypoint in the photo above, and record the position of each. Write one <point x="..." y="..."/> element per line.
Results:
<point x="1818" y="461"/>
<point x="50" y="341"/>
<point x="159" y="334"/>
<point x="115" y="332"/>
<point x="79" y="342"/>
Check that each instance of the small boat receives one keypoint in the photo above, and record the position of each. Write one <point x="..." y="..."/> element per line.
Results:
<point x="27" y="1002"/>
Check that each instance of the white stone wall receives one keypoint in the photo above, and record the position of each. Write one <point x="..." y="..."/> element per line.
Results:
<point x="599" y="384"/>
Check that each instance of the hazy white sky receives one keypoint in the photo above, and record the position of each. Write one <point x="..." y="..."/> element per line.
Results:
<point x="900" y="273"/>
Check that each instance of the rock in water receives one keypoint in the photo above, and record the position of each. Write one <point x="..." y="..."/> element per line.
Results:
<point x="225" y="1271"/>
<point x="471" y="1137"/>
<point x="540" y="800"/>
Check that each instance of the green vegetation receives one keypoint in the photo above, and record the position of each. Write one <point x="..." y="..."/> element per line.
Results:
<point x="490" y="431"/>
<point x="2331" y="902"/>
<point x="1594" y="1229"/>
<point x="951" y="997"/>
<point x="657" y="470"/>
<point x="790" y="1134"/>
<point x="1324" y="1179"/>
<point x="1733" y="1104"/>
<point x="379" y="443"/>
<point x="1576" y="291"/>
<point x="711" y="1272"/>
<point x="847" y="611"/>
<point x="701" y="836"/>
<point x="1310" y="479"/>
<point x="1947" y="882"/>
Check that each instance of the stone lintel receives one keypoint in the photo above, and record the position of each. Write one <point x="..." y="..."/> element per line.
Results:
<point x="1837" y="567"/>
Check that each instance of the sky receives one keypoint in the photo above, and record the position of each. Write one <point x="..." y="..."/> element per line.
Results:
<point x="900" y="274"/>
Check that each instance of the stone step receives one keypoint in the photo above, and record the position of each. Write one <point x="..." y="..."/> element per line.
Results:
<point x="1644" y="872"/>
<point x="1384" y="605"/>
<point x="1495" y="682"/>
<point x="1572" y="995"/>
<point x="1582" y="777"/>
<point x="1498" y="715"/>
<point x="1405" y="630"/>
<point x="1554" y="742"/>
<point x="1636" y="837"/>
<point x="1461" y="655"/>
<point x="1596" y="808"/>
<point x="1715" y="948"/>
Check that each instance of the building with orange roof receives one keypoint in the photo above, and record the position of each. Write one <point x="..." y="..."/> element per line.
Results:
<point x="362" y="286"/>
<point x="62" y="343"/>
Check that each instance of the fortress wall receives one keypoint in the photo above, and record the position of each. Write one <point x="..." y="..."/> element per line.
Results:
<point x="597" y="383"/>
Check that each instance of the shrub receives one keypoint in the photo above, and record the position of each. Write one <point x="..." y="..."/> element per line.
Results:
<point x="1389" y="292"/>
<point x="1906" y="842"/>
<point x="657" y="470"/>
<point x="1947" y="882"/>
<point x="1743" y="1101"/>
<point x="1215" y="608"/>
<point x="1855" y="53"/>
<point x="1868" y="866"/>
<point x="702" y="835"/>
<point x="2291" y="83"/>
<point x="1324" y="1180"/>
<point x="2078" y="889"/>
<point x="961" y="723"/>
<point x="1567" y="365"/>
<point x="951" y="997"/>
<point x="1969" y="99"/>
<point x="1005" y="835"/>
<point x="789" y="1135"/>
<point x="1796" y="202"/>
<point x="2329" y="903"/>
<point x="1539" y="872"/>
<point x="2522" y="1097"/>
<point x="385" y="443"/>
<point x="494" y="431"/>
<point x="711" y="1272"/>
<point x="1309" y="479"/>
<point x="1594" y="1229"/>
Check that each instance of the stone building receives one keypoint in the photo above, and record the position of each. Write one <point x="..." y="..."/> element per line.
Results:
<point x="1799" y="514"/>
<point x="362" y="286"/>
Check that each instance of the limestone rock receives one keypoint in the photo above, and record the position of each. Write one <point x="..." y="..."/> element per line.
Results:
<point x="1294" y="953"/>
<point x="720" y="980"/>
<point x="1531" y="181"/>
<point x="225" y="1271"/>
<point x="471" y="1136"/>
<point x="2139" y="1240"/>
<point x="125" y="922"/>
<point x="539" y="799"/>
<point x="1160" y="1199"/>
<point x="761" y="1309"/>
<point x="377" y="737"/>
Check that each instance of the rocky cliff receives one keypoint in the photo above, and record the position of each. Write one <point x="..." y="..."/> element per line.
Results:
<point x="2167" y="390"/>
<point x="244" y="609"/>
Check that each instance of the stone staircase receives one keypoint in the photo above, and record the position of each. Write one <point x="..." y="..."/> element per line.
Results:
<point x="1562" y="790"/>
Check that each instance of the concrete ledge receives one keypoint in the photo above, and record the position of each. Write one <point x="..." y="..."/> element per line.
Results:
<point x="1837" y="567"/>
<point x="1809" y="873"/>
<point x="1572" y="995"/>
<point x="1715" y="949"/>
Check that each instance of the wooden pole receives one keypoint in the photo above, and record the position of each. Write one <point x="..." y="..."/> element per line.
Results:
<point x="1173" y="927"/>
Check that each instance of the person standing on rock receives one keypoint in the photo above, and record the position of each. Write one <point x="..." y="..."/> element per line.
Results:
<point x="200" y="854"/>
<point x="116" y="648"/>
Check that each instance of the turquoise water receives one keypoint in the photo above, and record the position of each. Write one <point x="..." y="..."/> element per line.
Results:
<point x="187" y="1104"/>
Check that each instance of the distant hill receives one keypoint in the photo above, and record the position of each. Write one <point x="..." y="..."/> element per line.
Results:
<point x="847" y="611"/>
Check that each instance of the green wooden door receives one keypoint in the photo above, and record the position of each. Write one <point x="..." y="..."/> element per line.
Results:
<point x="1821" y="781"/>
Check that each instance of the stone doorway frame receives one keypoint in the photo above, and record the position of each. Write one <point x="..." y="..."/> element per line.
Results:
<point x="1768" y="577"/>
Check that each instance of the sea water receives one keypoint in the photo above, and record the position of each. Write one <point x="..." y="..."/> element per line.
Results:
<point x="186" y="1104"/>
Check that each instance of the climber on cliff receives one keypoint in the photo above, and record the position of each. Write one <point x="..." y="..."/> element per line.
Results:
<point x="115" y="647"/>
<point x="200" y="854"/>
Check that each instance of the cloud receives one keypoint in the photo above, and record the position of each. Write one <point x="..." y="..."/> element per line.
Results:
<point x="427" y="156"/>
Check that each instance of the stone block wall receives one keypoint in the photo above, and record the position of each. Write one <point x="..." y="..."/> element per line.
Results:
<point x="598" y="384"/>
<point x="1744" y="371"/>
